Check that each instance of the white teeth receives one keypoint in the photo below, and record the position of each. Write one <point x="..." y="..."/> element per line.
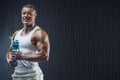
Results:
<point x="26" y="19"/>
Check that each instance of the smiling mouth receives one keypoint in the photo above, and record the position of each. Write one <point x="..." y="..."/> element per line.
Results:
<point x="26" y="19"/>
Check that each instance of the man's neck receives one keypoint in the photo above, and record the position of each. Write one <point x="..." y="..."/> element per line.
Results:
<point x="28" y="28"/>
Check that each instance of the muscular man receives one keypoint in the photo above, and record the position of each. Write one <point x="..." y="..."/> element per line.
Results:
<point x="34" y="47"/>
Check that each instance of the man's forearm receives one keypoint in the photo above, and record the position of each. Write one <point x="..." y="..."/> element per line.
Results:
<point x="9" y="56"/>
<point x="37" y="57"/>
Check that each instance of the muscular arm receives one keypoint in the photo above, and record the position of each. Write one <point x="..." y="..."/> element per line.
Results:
<point x="41" y="42"/>
<point x="9" y="54"/>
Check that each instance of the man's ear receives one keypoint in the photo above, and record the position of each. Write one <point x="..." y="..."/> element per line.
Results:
<point x="36" y="15"/>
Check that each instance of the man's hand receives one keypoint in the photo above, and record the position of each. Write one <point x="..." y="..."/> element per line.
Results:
<point x="18" y="55"/>
<point x="13" y="63"/>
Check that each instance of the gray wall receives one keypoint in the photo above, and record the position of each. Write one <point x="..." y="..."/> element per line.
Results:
<point x="84" y="37"/>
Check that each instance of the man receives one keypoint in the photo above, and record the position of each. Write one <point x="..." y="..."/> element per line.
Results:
<point x="34" y="47"/>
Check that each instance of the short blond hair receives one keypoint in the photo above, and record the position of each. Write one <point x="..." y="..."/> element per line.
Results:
<point x="30" y="6"/>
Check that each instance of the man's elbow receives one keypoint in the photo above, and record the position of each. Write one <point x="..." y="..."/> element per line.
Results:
<point x="45" y="58"/>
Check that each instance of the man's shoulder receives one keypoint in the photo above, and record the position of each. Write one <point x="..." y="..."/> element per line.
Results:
<point x="40" y="35"/>
<point x="41" y="32"/>
<point x="14" y="34"/>
<point x="17" y="31"/>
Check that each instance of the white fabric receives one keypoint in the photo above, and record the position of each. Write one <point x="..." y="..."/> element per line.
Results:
<point x="27" y="70"/>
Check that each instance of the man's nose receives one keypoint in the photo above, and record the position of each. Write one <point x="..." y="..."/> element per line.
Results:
<point x="26" y="14"/>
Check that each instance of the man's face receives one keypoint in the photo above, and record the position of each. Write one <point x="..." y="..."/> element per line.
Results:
<point x="28" y="16"/>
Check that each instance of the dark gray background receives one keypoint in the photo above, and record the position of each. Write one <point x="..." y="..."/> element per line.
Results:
<point x="84" y="37"/>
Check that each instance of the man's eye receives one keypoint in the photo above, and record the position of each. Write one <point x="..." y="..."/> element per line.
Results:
<point x="23" y="13"/>
<point x="29" y="13"/>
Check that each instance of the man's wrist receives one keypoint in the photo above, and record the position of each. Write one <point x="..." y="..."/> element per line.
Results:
<point x="23" y="57"/>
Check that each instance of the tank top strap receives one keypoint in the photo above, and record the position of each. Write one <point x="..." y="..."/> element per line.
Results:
<point x="19" y="33"/>
<point x="32" y="32"/>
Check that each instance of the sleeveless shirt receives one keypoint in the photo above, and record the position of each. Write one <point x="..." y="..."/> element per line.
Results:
<point x="26" y="47"/>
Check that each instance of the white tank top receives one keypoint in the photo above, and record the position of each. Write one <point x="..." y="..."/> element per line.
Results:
<point x="26" y="47"/>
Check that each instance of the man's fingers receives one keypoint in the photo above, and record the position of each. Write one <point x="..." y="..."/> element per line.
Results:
<point x="13" y="63"/>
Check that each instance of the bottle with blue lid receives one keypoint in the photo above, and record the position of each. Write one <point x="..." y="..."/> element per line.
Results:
<point x="15" y="47"/>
